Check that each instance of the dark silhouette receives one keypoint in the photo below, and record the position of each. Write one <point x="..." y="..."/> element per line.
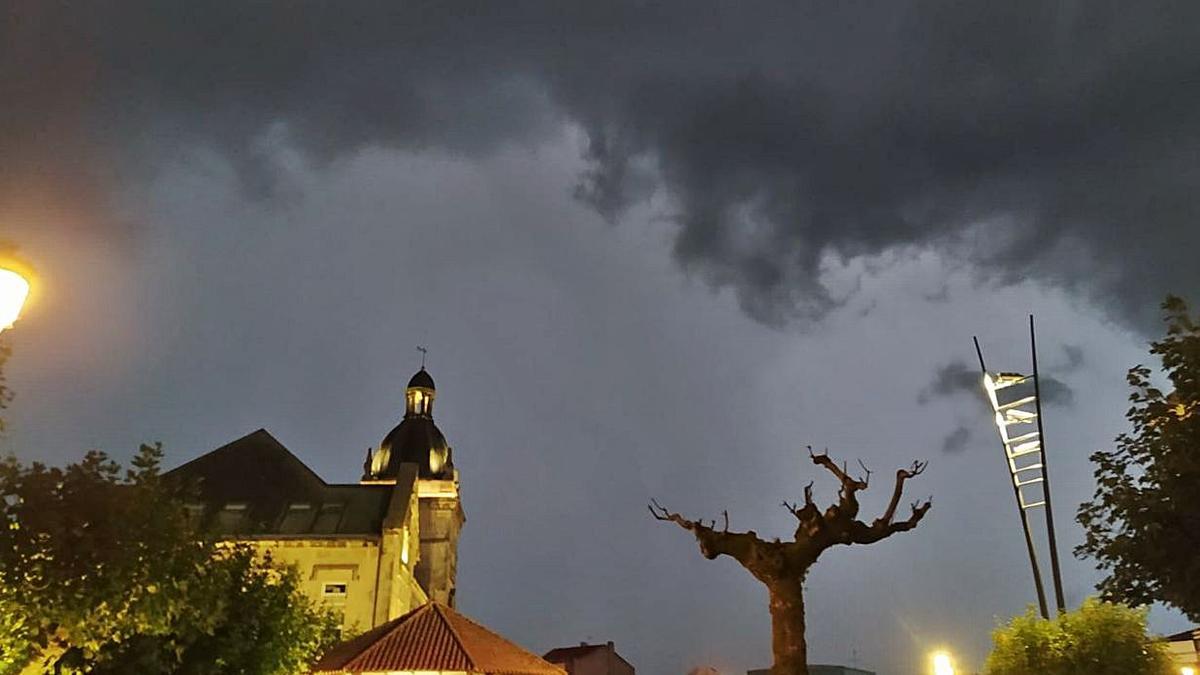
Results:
<point x="781" y="566"/>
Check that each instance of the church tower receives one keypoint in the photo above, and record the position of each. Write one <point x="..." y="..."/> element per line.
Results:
<point x="417" y="440"/>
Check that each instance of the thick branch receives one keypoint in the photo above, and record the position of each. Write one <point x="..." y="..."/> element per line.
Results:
<point x="881" y="530"/>
<point x="902" y="475"/>
<point x="838" y="524"/>
<point x="737" y="545"/>
<point x="847" y="506"/>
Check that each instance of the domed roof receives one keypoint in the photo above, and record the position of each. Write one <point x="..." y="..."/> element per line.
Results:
<point x="419" y="441"/>
<point x="422" y="380"/>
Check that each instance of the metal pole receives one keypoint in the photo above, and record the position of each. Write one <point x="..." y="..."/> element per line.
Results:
<point x="1033" y="561"/>
<point x="1054" y="569"/>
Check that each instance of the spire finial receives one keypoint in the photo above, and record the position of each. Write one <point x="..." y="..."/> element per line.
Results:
<point x="424" y="353"/>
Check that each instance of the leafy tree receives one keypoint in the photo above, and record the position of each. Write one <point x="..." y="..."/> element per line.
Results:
<point x="101" y="571"/>
<point x="1143" y="524"/>
<point x="1099" y="638"/>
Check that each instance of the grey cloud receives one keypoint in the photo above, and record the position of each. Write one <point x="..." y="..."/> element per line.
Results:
<point x="956" y="379"/>
<point x="1056" y="392"/>
<point x="952" y="379"/>
<point x="1052" y="141"/>
<point x="1073" y="358"/>
<point x="956" y="441"/>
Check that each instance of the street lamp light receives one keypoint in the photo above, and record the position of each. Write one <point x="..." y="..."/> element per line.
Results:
<point x="943" y="664"/>
<point x="1187" y="670"/>
<point x="14" y="288"/>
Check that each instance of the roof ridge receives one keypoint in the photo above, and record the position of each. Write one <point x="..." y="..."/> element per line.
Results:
<point x="270" y="437"/>
<point x="439" y="610"/>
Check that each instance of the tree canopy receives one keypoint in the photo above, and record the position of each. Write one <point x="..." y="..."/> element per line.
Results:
<point x="1099" y="638"/>
<point x="1143" y="524"/>
<point x="101" y="571"/>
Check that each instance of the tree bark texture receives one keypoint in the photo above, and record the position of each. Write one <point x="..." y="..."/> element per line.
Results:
<point x="787" y="628"/>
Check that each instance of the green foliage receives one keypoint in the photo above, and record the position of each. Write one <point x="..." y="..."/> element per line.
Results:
<point x="101" y="572"/>
<point x="1143" y="524"/>
<point x="1099" y="638"/>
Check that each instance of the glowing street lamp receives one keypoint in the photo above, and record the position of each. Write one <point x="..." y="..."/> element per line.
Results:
<point x="943" y="664"/>
<point x="14" y="289"/>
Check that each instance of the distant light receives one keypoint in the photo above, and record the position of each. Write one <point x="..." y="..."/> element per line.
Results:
<point x="944" y="665"/>
<point x="1187" y="670"/>
<point x="14" y="288"/>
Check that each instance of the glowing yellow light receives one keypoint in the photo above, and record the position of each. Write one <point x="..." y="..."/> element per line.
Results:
<point x="14" y="288"/>
<point x="1187" y="670"/>
<point x="404" y="548"/>
<point x="942" y="664"/>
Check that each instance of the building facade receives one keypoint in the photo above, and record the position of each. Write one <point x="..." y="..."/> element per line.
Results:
<point x="1185" y="650"/>
<point x="372" y="551"/>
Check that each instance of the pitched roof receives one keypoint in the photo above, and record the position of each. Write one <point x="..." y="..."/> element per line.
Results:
<point x="433" y="637"/>
<point x="276" y="494"/>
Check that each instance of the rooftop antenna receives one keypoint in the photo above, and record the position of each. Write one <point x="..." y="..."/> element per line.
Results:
<point x="424" y="353"/>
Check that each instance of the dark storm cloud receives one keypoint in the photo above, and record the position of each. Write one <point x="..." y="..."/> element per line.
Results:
<point x="1053" y="141"/>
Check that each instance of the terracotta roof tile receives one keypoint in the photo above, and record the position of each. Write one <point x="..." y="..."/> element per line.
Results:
<point x="433" y="637"/>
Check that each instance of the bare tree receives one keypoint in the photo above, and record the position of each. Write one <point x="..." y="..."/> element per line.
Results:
<point x="781" y="566"/>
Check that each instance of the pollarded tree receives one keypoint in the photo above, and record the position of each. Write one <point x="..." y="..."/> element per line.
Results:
<point x="781" y="566"/>
<point x="1143" y="524"/>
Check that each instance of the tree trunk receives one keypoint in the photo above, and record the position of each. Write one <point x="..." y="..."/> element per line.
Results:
<point x="787" y="627"/>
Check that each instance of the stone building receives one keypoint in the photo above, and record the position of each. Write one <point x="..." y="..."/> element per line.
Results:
<point x="374" y="550"/>
<point x="590" y="660"/>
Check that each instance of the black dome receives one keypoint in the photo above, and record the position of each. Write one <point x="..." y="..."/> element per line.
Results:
<point x="422" y="380"/>
<point x="417" y="440"/>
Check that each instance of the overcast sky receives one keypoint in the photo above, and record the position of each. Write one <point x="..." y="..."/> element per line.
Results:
<point x="654" y="249"/>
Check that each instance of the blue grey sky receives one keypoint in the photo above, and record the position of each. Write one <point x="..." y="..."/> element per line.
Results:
<point x="653" y="252"/>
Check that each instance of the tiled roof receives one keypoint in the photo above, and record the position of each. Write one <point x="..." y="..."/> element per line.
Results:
<point x="433" y="637"/>
<point x="274" y="493"/>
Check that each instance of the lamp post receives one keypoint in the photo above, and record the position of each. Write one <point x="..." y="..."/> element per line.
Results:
<point x="14" y="289"/>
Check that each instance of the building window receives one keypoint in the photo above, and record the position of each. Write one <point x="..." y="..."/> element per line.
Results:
<point x="336" y="590"/>
<point x="297" y="518"/>
<point x="328" y="519"/>
<point x="231" y="517"/>
<point x="194" y="513"/>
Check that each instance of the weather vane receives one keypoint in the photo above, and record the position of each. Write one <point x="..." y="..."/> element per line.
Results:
<point x="424" y="352"/>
